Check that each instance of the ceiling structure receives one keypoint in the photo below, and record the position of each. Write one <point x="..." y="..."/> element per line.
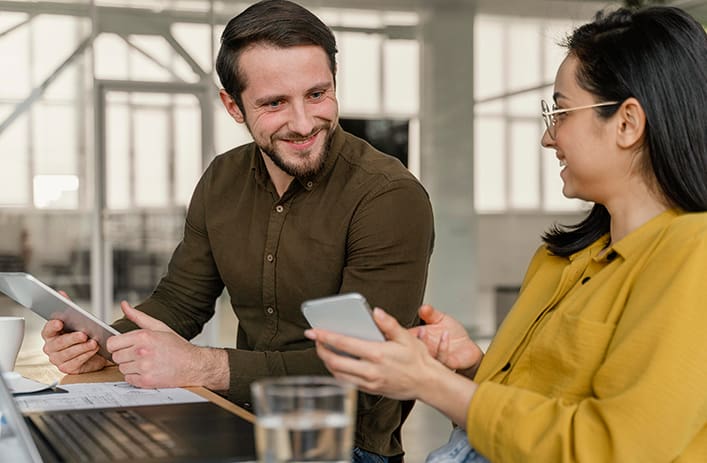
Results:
<point x="199" y="9"/>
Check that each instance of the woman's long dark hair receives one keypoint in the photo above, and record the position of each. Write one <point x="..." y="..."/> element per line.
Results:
<point x="657" y="55"/>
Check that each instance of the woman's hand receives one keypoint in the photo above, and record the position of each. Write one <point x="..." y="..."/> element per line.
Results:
<point x="447" y="341"/>
<point x="400" y="368"/>
<point x="393" y="368"/>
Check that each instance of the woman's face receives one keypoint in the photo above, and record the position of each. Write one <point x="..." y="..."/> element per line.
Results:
<point x="584" y="143"/>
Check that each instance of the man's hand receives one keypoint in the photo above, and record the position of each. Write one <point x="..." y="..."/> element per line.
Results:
<point x="447" y="340"/>
<point x="155" y="356"/>
<point x="72" y="353"/>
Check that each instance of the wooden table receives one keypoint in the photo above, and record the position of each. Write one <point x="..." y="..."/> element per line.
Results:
<point x="32" y="363"/>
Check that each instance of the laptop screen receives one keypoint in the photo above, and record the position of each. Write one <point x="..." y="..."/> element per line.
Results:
<point x="16" y="442"/>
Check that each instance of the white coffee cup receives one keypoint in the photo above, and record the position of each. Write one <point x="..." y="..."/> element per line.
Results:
<point x="12" y="331"/>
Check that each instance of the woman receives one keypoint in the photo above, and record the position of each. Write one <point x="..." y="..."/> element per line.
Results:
<point x="603" y="356"/>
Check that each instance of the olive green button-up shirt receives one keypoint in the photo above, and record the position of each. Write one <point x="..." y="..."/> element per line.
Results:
<point x="364" y="224"/>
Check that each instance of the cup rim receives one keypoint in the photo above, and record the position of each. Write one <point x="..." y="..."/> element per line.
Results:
<point x="296" y="382"/>
<point x="11" y="317"/>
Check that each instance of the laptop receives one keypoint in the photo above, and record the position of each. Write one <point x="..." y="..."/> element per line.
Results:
<point x="192" y="432"/>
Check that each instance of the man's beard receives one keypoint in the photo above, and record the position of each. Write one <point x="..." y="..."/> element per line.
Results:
<point x="312" y="164"/>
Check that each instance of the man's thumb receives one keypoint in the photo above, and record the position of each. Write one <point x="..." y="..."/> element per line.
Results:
<point x="141" y="319"/>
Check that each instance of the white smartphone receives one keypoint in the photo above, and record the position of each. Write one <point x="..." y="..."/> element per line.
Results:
<point x="28" y="291"/>
<point x="347" y="314"/>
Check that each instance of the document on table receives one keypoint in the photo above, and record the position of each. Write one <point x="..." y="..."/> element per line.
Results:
<point x="104" y="395"/>
<point x="18" y="384"/>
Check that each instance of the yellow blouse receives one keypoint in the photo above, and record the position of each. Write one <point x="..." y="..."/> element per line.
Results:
<point x="604" y="355"/>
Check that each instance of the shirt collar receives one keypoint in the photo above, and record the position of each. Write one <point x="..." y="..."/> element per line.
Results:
<point x="336" y="144"/>
<point x="257" y="166"/>
<point x="635" y="241"/>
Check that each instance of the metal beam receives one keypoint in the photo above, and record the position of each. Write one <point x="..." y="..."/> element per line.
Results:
<point x="16" y="26"/>
<point x="149" y="86"/>
<point x="514" y="93"/>
<point x="39" y="91"/>
<point x="184" y="54"/>
<point x="150" y="57"/>
<point x="128" y="21"/>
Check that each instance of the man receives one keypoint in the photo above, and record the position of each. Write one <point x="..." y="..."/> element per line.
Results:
<point x="305" y="211"/>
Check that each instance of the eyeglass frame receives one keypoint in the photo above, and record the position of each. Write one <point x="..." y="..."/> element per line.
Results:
<point x="550" y="122"/>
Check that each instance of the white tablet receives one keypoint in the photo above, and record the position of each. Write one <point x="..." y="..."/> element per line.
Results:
<point x="28" y="291"/>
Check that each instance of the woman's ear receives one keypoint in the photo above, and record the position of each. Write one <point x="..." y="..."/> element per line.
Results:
<point x="230" y="104"/>
<point x="631" y="123"/>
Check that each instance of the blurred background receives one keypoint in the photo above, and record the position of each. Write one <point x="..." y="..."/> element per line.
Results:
<point x="109" y="112"/>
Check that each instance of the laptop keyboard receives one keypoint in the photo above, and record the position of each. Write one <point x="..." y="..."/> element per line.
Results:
<point x="106" y="435"/>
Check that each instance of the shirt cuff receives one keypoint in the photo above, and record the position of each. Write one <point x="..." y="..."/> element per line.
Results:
<point x="245" y="367"/>
<point x="482" y="418"/>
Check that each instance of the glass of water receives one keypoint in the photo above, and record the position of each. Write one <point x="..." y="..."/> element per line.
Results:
<point x="304" y="418"/>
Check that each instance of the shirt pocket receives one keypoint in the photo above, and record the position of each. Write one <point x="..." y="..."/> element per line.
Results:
<point x="566" y="355"/>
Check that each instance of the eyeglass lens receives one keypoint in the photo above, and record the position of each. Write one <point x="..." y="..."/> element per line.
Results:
<point x="549" y="123"/>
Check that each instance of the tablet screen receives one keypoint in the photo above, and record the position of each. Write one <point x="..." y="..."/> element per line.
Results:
<point x="28" y="291"/>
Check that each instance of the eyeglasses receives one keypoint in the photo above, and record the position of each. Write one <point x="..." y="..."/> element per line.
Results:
<point x="549" y="115"/>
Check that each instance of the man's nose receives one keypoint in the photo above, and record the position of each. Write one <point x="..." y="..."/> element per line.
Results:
<point x="301" y="119"/>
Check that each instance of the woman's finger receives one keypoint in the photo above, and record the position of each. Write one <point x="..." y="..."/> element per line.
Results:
<point x="389" y="326"/>
<point x="430" y="315"/>
<point x="443" y="348"/>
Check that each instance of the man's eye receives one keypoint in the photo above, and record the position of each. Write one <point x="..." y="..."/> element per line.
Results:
<point x="274" y="104"/>
<point x="317" y="95"/>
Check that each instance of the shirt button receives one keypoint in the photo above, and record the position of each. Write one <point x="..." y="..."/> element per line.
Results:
<point x="585" y="280"/>
<point x="270" y="257"/>
<point x="279" y="208"/>
<point x="270" y="310"/>
<point x="506" y="367"/>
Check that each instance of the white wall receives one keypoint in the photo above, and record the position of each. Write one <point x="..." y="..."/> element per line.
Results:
<point x="504" y="245"/>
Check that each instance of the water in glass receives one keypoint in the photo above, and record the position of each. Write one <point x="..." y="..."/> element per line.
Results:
<point x="315" y="435"/>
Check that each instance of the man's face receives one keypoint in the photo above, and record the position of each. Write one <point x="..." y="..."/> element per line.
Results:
<point x="290" y="105"/>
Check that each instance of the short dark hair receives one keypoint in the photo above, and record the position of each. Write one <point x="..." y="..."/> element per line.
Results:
<point x="657" y="55"/>
<point x="278" y="23"/>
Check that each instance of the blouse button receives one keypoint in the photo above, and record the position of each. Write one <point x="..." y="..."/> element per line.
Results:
<point x="270" y="257"/>
<point x="270" y="310"/>
<point x="279" y="208"/>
